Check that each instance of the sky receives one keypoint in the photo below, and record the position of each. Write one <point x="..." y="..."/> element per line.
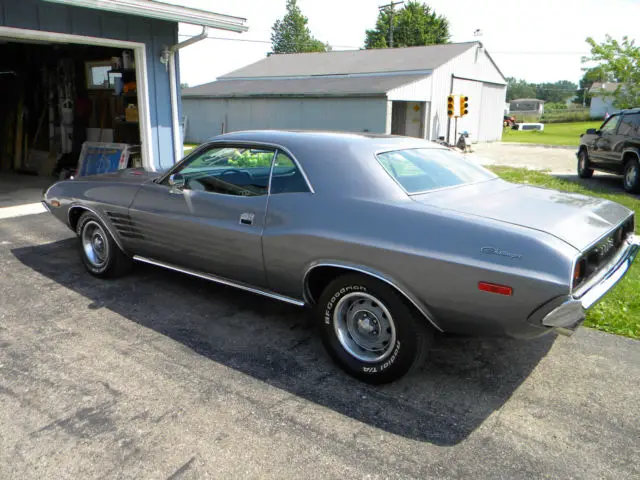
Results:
<point x="541" y="41"/>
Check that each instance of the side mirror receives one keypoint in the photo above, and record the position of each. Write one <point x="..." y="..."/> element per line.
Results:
<point x="176" y="181"/>
<point x="592" y="131"/>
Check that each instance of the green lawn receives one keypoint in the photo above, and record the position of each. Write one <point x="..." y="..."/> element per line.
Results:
<point x="188" y="147"/>
<point x="553" y="134"/>
<point x="619" y="311"/>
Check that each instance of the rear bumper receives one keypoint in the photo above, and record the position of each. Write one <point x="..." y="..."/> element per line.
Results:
<point x="566" y="316"/>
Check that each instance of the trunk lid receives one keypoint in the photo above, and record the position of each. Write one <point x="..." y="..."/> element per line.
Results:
<point x="578" y="220"/>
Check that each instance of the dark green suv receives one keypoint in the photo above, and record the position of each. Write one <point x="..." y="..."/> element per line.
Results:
<point x="613" y="148"/>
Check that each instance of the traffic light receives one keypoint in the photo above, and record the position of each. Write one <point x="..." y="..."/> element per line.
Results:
<point x="450" y="106"/>
<point x="464" y="105"/>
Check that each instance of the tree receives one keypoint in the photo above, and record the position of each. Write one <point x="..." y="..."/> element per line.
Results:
<point x="183" y="86"/>
<point x="415" y="24"/>
<point x="556" y="92"/>
<point x="591" y="75"/>
<point x="620" y="60"/>
<point x="519" y="89"/>
<point x="291" y="34"/>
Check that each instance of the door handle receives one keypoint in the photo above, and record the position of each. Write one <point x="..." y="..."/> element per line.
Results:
<point x="247" y="218"/>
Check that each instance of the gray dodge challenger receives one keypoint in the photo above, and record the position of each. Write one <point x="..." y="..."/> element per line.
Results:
<point x="389" y="239"/>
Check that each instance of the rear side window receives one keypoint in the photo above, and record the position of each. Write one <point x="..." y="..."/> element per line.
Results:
<point x="423" y="169"/>
<point x="287" y="177"/>
<point x="630" y="125"/>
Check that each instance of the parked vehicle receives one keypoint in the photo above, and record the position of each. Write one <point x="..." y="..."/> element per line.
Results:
<point x="390" y="239"/>
<point x="528" y="126"/>
<point x="508" y="121"/>
<point x="613" y="148"/>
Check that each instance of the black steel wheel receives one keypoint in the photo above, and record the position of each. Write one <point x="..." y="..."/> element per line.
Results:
<point x="583" y="165"/>
<point x="631" y="179"/>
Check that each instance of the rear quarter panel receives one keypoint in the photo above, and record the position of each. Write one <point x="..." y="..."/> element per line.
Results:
<point x="435" y="255"/>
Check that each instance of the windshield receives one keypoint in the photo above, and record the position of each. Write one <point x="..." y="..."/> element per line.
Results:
<point x="423" y="169"/>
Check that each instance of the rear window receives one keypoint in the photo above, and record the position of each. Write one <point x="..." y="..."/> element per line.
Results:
<point x="423" y="169"/>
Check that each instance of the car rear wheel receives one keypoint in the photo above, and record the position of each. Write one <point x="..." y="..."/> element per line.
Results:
<point x="583" y="165"/>
<point x="632" y="176"/>
<point x="99" y="252"/>
<point x="369" y="329"/>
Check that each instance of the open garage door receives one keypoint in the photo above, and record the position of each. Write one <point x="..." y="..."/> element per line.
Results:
<point x="58" y="92"/>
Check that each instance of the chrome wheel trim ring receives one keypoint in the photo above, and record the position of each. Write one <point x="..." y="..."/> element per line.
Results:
<point x="582" y="164"/>
<point x="631" y="175"/>
<point x="364" y="327"/>
<point x="95" y="244"/>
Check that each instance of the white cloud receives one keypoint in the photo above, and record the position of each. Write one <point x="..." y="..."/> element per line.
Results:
<point x="510" y="31"/>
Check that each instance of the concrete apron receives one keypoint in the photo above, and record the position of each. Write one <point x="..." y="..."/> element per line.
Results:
<point x="21" y="210"/>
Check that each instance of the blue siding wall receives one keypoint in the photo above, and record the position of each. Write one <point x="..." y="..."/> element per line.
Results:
<point x="155" y="34"/>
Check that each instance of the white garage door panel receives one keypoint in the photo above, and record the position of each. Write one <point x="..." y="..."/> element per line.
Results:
<point x="470" y="122"/>
<point x="491" y="113"/>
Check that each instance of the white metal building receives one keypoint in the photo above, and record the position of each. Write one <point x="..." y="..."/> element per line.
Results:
<point x="400" y="91"/>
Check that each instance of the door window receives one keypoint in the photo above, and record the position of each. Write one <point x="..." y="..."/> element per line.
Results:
<point x="609" y="127"/>
<point x="242" y="171"/>
<point x="287" y="177"/>
<point x="630" y="125"/>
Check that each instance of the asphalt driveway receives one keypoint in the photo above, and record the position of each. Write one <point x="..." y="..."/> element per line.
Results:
<point x="161" y="376"/>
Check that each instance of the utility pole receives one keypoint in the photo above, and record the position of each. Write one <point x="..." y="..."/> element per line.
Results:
<point x="392" y="12"/>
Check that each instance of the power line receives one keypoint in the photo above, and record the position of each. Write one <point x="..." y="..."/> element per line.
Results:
<point x="353" y="47"/>
<point x="248" y="40"/>
<point x="540" y="53"/>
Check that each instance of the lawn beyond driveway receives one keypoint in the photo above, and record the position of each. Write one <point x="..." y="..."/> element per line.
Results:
<point x="554" y="134"/>
<point x="619" y="311"/>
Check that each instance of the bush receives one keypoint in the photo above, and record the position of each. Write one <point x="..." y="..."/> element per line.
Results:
<point x="565" y="116"/>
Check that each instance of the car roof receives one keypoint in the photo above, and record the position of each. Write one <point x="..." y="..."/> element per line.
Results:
<point x="628" y="110"/>
<point x="336" y="162"/>
<point x="315" y="134"/>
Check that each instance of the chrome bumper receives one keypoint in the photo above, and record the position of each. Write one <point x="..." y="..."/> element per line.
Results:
<point x="570" y="314"/>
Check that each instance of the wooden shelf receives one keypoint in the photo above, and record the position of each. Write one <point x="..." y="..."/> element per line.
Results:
<point x="122" y="70"/>
<point x="127" y="95"/>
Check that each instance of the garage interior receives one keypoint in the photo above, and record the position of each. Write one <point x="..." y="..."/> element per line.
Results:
<point x="55" y="97"/>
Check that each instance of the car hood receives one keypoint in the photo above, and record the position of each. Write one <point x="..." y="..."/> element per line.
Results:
<point x="578" y="220"/>
<point x="130" y="175"/>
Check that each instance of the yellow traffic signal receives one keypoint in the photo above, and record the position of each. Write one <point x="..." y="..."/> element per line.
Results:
<point x="450" y="106"/>
<point x="464" y="105"/>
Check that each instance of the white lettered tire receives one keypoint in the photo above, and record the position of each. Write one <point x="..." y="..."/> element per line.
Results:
<point x="370" y="330"/>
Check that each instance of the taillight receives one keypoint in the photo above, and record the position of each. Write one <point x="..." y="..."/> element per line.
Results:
<point x="579" y="272"/>
<point x="495" y="288"/>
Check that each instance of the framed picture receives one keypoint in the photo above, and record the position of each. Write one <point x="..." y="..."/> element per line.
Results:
<point x="98" y="157"/>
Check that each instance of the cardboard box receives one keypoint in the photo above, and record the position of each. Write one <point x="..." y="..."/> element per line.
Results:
<point x="131" y="113"/>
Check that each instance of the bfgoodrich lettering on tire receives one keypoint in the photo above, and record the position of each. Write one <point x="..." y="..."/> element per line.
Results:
<point x="369" y="329"/>
<point x="99" y="252"/>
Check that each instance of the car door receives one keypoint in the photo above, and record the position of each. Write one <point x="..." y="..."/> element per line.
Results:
<point x="208" y="213"/>
<point x="600" y="151"/>
<point x="626" y="136"/>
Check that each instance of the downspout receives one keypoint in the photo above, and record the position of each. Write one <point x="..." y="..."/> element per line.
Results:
<point x="174" y="87"/>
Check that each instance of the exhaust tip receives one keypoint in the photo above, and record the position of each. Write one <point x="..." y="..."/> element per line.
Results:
<point x="566" y="332"/>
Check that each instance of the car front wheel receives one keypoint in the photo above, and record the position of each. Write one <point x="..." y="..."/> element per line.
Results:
<point x="632" y="176"/>
<point x="369" y="329"/>
<point x="583" y="165"/>
<point x="100" y="253"/>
